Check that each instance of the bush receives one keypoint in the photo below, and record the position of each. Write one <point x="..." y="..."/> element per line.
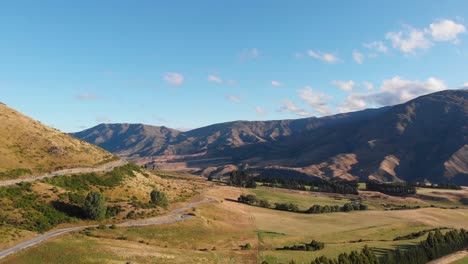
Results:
<point x="159" y="198"/>
<point x="95" y="207"/>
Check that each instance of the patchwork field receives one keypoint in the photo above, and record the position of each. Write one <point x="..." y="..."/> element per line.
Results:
<point x="219" y="230"/>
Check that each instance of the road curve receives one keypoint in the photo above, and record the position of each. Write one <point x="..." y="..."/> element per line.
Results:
<point x="105" y="167"/>
<point x="172" y="217"/>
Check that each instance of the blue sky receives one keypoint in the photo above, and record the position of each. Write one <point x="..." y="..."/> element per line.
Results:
<point x="186" y="64"/>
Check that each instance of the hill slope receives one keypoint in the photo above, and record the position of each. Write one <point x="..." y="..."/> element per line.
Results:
<point x="29" y="147"/>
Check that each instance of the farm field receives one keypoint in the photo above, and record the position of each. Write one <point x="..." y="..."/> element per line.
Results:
<point x="220" y="228"/>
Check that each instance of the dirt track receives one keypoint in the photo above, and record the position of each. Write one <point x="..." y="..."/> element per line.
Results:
<point x="175" y="216"/>
<point x="105" y="167"/>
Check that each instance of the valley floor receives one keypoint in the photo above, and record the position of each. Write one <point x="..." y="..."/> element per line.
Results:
<point x="218" y="230"/>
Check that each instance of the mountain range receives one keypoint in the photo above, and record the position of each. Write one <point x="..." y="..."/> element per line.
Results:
<point x="423" y="139"/>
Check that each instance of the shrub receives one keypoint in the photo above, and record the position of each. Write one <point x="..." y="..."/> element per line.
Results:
<point x="159" y="198"/>
<point x="95" y="206"/>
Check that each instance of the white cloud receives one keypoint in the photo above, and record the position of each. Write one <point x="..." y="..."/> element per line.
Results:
<point x="377" y="46"/>
<point x="276" y="83"/>
<point x="326" y="57"/>
<point x="291" y="107"/>
<point x="234" y="99"/>
<point x="315" y="100"/>
<point x="354" y="102"/>
<point x="368" y="85"/>
<point x="344" y="85"/>
<point x="409" y="40"/>
<point x="446" y="30"/>
<point x="465" y="85"/>
<point x="392" y="91"/>
<point x="358" y="57"/>
<point x="249" y="54"/>
<point x="174" y="78"/>
<point x="260" y="110"/>
<point x="215" y="79"/>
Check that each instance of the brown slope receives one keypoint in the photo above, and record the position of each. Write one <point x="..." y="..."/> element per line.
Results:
<point x="131" y="140"/>
<point x="27" y="144"/>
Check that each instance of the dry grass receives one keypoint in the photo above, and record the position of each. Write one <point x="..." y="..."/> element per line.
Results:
<point x="28" y="144"/>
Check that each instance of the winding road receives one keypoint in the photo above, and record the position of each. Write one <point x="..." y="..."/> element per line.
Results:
<point x="106" y="167"/>
<point x="174" y="216"/>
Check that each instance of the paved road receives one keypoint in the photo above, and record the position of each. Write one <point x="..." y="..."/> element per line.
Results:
<point x="174" y="216"/>
<point x="105" y="167"/>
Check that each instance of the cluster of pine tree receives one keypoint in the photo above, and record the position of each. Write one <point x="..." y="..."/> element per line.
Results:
<point x="319" y="209"/>
<point x="435" y="246"/>
<point x="338" y="186"/>
<point x="291" y="207"/>
<point x="319" y="185"/>
<point x="393" y="188"/>
<point x="312" y="246"/>
<point x="241" y="179"/>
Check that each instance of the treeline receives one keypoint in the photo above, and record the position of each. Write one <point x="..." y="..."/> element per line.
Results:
<point x="241" y="179"/>
<point x="395" y="188"/>
<point x="449" y="186"/>
<point x="318" y="185"/>
<point x="347" y="207"/>
<point x="291" y="207"/>
<point x="417" y="234"/>
<point x="435" y="246"/>
<point x="312" y="246"/>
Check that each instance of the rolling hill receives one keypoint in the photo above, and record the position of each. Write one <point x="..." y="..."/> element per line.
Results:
<point x="29" y="147"/>
<point x="425" y="138"/>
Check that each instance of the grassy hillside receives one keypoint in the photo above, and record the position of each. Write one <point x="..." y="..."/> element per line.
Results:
<point x="29" y="147"/>
<point x="219" y="229"/>
<point x="32" y="208"/>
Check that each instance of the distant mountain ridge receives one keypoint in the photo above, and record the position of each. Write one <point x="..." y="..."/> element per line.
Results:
<point x="425" y="138"/>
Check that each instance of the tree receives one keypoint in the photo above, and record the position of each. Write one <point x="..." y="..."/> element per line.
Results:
<point x="95" y="206"/>
<point x="158" y="198"/>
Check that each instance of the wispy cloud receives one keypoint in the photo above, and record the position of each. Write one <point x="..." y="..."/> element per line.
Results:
<point x="260" y="110"/>
<point x="358" y="57"/>
<point x="174" y="78"/>
<point x="344" y="85"/>
<point x="290" y="107"/>
<point x="234" y="99"/>
<point x="316" y="100"/>
<point x="326" y="57"/>
<point x="276" y="83"/>
<point x="249" y="54"/>
<point x="377" y="46"/>
<point x="409" y="40"/>
<point x="214" y="79"/>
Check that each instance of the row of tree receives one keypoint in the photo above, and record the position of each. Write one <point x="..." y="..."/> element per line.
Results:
<point x="318" y="185"/>
<point x="291" y="207"/>
<point x="312" y="246"/>
<point x="435" y="246"/>
<point x="392" y="188"/>
<point x="347" y="207"/>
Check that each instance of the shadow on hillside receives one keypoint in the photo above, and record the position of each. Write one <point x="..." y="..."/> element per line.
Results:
<point x="69" y="209"/>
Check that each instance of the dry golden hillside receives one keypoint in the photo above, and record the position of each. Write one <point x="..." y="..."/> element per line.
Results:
<point x="29" y="147"/>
